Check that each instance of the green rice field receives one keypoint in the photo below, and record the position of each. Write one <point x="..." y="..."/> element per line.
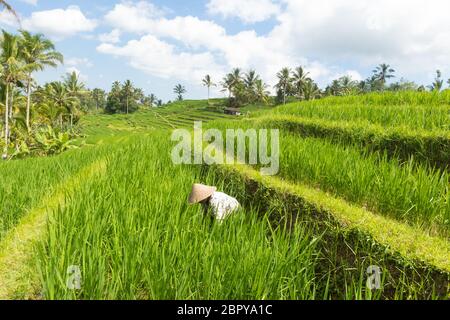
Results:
<point x="348" y="196"/>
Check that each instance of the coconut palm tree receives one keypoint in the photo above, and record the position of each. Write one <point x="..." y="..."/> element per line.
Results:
<point x="250" y="80"/>
<point x="236" y="76"/>
<point x="12" y="72"/>
<point x="8" y="7"/>
<point x="152" y="100"/>
<point x="207" y="82"/>
<point x="227" y="84"/>
<point x="62" y="97"/>
<point x="98" y="95"/>
<point x="383" y="72"/>
<point x="73" y="84"/>
<point x="299" y="79"/>
<point x="37" y="52"/>
<point x="261" y="92"/>
<point x="347" y="84"/>
<point x="128" y="91"/>
<point x="438" y="83"/>
<point x="311" y="91"/>
<point x="284" y="82"/>
<point x="179" y="90"/>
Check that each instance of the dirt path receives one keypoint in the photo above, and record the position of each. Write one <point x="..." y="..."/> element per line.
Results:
<point x="16" y="250"/>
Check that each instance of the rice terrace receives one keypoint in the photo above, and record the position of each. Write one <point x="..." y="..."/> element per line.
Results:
<point x="251" y="184"/>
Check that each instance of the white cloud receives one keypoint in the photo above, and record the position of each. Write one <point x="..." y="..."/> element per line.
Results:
<point x="32" y="2"/>
<point x="59" y="23"/>
<point x="330" y="38"/>
<point x="161" y="59"/>
<point x="412" y="35"/>
<point x="245" y="49"/>
<point x="133" y="17"/>
<point x="8" y="19"/>
<point x="112" y="37"/>
<point x="78" y="62"/>
<point x="249" y="11"/>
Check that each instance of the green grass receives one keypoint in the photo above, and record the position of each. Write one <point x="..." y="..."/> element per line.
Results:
<point x="425" y="146"/>
<point x="134" y="239"/>
<point x="429" y="111"/>
<point x="134" y="236"/>
<point x="410" y="193"/>
<point x="24" y="183"/>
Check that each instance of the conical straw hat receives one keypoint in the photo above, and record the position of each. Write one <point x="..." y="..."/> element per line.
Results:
<point x="200" y="192"/>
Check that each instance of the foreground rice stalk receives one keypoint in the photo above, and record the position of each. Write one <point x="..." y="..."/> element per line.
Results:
<point x="16" y="250"/>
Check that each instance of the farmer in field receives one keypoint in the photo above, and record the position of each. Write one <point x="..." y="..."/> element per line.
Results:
<point x="220" y="204"/>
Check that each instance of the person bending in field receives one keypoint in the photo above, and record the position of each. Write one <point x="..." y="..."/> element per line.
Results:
<point x="219" y="204"/>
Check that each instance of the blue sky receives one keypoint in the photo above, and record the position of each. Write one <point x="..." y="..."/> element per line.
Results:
<point x="158" y="44"/>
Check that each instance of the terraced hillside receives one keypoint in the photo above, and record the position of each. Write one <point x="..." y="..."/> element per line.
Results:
<point x="346" y="199"/>
<point x="175" y="115"/>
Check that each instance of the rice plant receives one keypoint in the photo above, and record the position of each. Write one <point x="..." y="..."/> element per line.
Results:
<point x="414" y="110"/>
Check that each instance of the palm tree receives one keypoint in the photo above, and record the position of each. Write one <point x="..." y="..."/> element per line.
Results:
<point x="250" y="84"/>
<point x="299" y="78"/>
<point x="152" y="100"/>
<point x="73" y="84"/>
<point x="207" y="82"/>
<point x="311" y="91"/>
<point x="383" y="72"/>
<point x="227" y="84"/>
<point x="128" y="91"/>
<point x="37" y="52"/>
<point x="284" y="82"/>
<point x="13" y="72"/>
<point x="250" y="79"/>
<point x="179" y="90"/>
<point x="261" y="92"/>
<point x="438" y="83"/>
<point x="334" y="88"/>
<point x="8" y="7"/>
<point x="99" y="97"/>
<point x="236" y="76"/>
<point x="62" y="97"/>
<point x="347" y="85"/>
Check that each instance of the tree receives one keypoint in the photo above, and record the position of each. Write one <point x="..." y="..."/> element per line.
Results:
<point x="261" y="92"/>
<point x="73" y="84"/>
<point x="404" y="85"/>
<point x="61" y="95"/>
<point x="207" y="82"/>
<point x="128" y="91"/>
<point x="383" y="72"/>
<point x="250" y="80"/>
<point x="311" y="91"/>
<point x="10" y="9"/>
<point x="179" y="90"/>
<point x="299" y="79"/>
<point x="13" y="72"/>
<point x="139" y="95"/>
<point x="227" y="84"/>
<point x="438" y="83"/>
<point x="284" y="82"/>
<point x="152" y="100"/>
<point x="37" y="52"/>
<point x="114" y="102"/>
<point x="348" y="85"/>
<point x="236" y="76"/>
<point x="448" y="82"/>
<point x="98" y="95"/>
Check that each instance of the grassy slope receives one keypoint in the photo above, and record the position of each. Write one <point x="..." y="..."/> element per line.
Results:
<point x="116" y="241"/>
